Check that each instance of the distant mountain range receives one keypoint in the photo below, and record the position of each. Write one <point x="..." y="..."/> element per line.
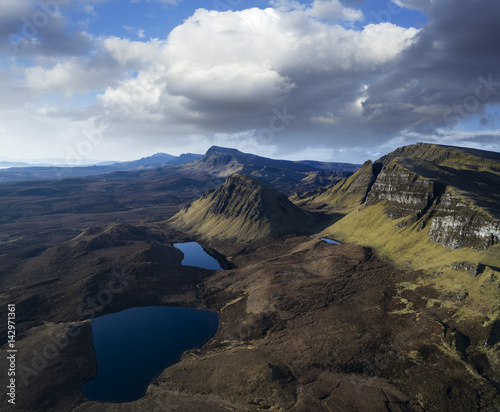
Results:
<point x="225" y="161"/>
<point x="158" y="160"/>
<point x="5" y="164"/>
<point x="23" y="172"/>
<point x="283" y="175"/>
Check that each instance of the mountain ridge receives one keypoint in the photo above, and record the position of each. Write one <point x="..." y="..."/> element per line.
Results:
<point x="389" y="319"/>
<point x="243" y="209"/>
<point x="235" y="155"/>
<point x="441" y="154"/>
<point x="431" y="184"/>
<point x="283" y="175"/>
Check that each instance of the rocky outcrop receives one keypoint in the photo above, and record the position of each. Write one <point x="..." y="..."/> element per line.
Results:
<point x="457" y="224"/>
<point x="452" y="191"/>
<point x="455" y="221"/>
<point x="406" y="192"/>
<point x="441" y="186"/>
<point x="473" y="268"/>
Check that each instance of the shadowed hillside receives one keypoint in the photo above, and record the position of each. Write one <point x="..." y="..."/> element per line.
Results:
<point x="283" y="175"/>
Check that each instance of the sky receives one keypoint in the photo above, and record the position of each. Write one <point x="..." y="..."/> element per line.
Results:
<point x="331" y="80"/>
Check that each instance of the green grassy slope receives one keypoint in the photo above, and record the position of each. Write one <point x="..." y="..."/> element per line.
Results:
<point x="461" y="188"/>
<point x="242" y="209"/>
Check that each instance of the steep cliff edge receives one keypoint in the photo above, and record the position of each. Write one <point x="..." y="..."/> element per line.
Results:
<point x="406" y="192"/>
<point x="437" y="209"/>
<point x="346" y="194"/>
<point x="458" y="223"/>
<point x="460" y="202"/>
<point x="452" y="190"/>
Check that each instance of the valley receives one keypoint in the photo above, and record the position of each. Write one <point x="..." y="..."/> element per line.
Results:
<point x="403" y="315"/>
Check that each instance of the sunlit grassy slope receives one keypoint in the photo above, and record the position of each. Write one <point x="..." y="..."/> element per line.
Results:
<point x="200" y="220"/>
<point x="470" y="303"/>
<point x="469" y="299"/>
<point x="371" y="226"/>
<point x="243" y="209"/>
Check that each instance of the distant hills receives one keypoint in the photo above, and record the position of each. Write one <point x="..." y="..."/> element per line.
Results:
<point x="224" y="162"/>
<point x="283" y="175"/>
<point x="21" y="172"/>
<point x="242" y="209"/>
<point x="158" y="160"/>
<point x="5" y="164"/>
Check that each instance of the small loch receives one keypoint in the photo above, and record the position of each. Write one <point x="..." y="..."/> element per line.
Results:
<point x="195" y="255"/>
<point x="333" y="242"/>
<point x="134" y="346"/>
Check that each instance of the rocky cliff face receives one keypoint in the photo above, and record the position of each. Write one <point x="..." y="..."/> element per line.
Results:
<point x="455" y="221"/>
<point x="406" y="192"/>
<point x="454" y="190"/>
<point x="448" y="198"/>
<point x="459" y="204"/>
<point x="456" y="224"/>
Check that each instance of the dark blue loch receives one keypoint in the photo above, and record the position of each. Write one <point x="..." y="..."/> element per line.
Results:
<point x="134" y="346"/>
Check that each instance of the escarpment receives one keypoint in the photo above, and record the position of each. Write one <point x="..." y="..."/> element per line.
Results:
<point x="452" y="191"/>
<point x="406" y="192"/>
<point x="460" y="212"/>
<point x="456" y="224"/>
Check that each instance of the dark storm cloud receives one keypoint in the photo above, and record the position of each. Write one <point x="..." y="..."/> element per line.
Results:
<point x="449" y="74"/>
